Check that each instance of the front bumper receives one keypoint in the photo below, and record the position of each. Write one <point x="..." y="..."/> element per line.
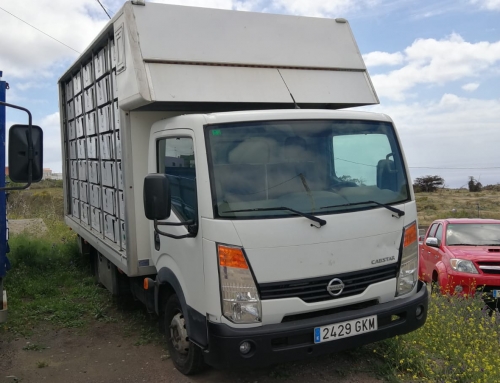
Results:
<point x="295" y="340"/>
<point x="469" y="284"/>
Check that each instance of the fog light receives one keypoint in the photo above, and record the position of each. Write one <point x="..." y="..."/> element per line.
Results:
<point x="419" y="311"/>
<point x="459" y="289"/>
<point x="245" y="347"/>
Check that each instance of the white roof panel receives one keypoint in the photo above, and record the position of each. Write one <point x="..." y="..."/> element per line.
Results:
<point x="192" y="34"/>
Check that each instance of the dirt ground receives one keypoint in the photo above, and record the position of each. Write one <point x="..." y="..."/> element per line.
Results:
<point x="34" y="226"/>
<point x="102" y="354"/>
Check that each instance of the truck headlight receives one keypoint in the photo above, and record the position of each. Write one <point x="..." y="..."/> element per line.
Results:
<point x="239" y="296"/>
<point x="463" y="265"/>
<point x="408" y="272"/>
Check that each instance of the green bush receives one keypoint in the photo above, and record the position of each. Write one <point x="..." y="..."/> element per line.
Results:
<point x="459" y="343"/>
<point x="49" y="282"/>
<point x="41" y="203"/>
<point x="41" y="254"/>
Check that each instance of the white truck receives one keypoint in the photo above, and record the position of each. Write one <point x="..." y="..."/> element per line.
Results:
<point x="206" y="172"/>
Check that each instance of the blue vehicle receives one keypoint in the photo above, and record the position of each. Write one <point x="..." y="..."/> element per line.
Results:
<point x="25" y="166"/>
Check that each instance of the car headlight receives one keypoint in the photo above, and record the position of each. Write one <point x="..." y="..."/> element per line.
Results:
<point x="408" y="271"/>
<point x="239" y="296"/>
<point x="463" y="265"/>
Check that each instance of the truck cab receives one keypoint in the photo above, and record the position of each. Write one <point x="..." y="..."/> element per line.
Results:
<point x="299" y="231"/>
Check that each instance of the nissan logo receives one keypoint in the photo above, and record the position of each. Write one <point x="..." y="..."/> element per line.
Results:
<point x="335" y="287"/>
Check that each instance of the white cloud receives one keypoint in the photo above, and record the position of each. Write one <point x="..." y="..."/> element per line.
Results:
<point x="222" y="4"/>
<point x="492" y="5"/>
<point x="470" y="87"/>
<point x="316" y="8"/>
<point x="321" y="7"/>
<point x="453" y="132"/>
<point x="27" y="52"/>
<point x="51" y="141"/>
<point x="437" y="62"/>
<point x="383" y="58"/>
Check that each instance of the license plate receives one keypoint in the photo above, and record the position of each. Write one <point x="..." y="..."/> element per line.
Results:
<point x="345" y="329"/>
<point x="496" y="293"/>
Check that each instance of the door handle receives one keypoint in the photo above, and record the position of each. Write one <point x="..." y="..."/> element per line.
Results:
<point x="157" y="241"/>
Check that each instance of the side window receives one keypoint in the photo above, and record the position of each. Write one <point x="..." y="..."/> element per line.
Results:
<point x="432" y="231"/>
<point x="439" y="232"/>
<point x="175" y="158"/>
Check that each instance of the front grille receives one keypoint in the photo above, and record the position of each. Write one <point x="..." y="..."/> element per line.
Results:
<point x="314" y="289"/>
<point x="489" y="267"/>
<point x="335" y="310"/>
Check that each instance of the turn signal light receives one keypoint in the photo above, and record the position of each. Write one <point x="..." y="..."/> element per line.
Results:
<point x="231" y="257"/>
<point x="410" y="235"/>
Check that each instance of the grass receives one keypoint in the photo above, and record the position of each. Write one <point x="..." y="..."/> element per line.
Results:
<point x="459" y="343"/>
<point x="457" y="203"/>
<point x="42" y="364"/>
<point x="49" y="283"/>
<point x="33" y="347"/>
<point x="44" y="203"/>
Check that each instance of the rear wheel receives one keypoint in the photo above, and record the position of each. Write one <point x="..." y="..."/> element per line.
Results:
<point x="187" y="357"/>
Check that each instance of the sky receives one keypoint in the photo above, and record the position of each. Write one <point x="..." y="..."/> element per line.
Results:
<point x="435" y="66"/>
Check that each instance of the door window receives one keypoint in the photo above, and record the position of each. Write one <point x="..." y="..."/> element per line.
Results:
<point x="175" y="158"/>
<point x="432" y="231"/>
<point x="439" y="232"/>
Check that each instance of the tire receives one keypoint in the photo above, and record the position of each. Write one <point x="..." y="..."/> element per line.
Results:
<point x="187" y="357"/>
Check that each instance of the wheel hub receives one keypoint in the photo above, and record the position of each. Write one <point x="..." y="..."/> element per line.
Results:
<point x="178" y="334"/>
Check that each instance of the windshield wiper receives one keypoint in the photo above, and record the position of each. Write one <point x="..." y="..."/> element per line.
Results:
<point x="400" y="213"/>
<point x="321" y="222"/>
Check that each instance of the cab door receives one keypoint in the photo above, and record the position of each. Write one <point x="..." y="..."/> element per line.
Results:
<point x="176" y="157"/>
<point x="434" y="254"/>
<point x="426" y="256"/>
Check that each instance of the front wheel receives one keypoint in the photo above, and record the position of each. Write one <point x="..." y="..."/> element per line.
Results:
<point x="187" y="357"/>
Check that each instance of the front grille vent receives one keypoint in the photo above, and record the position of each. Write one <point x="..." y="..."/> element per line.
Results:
<point x="489" y="267"/>
<point x="314" y="289"/>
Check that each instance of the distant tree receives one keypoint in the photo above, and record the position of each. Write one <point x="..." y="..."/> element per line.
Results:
<point x="474" y="185"/>
<point x="428" y="183"/>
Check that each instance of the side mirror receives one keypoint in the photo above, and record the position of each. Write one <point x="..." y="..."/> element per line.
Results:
<point x="156" y="194"/>
<point x="387" y="175"/>
<point x="433" y="242"/>
<point x="18" y="153"/>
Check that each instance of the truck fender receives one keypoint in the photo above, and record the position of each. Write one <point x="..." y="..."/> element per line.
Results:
<point x="196" y="323"/>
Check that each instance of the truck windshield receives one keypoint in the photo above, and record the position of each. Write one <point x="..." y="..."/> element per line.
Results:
<point x="312" y="166"/>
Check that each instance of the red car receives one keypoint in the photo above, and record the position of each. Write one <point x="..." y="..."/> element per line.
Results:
<point x="461" y="256"/>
